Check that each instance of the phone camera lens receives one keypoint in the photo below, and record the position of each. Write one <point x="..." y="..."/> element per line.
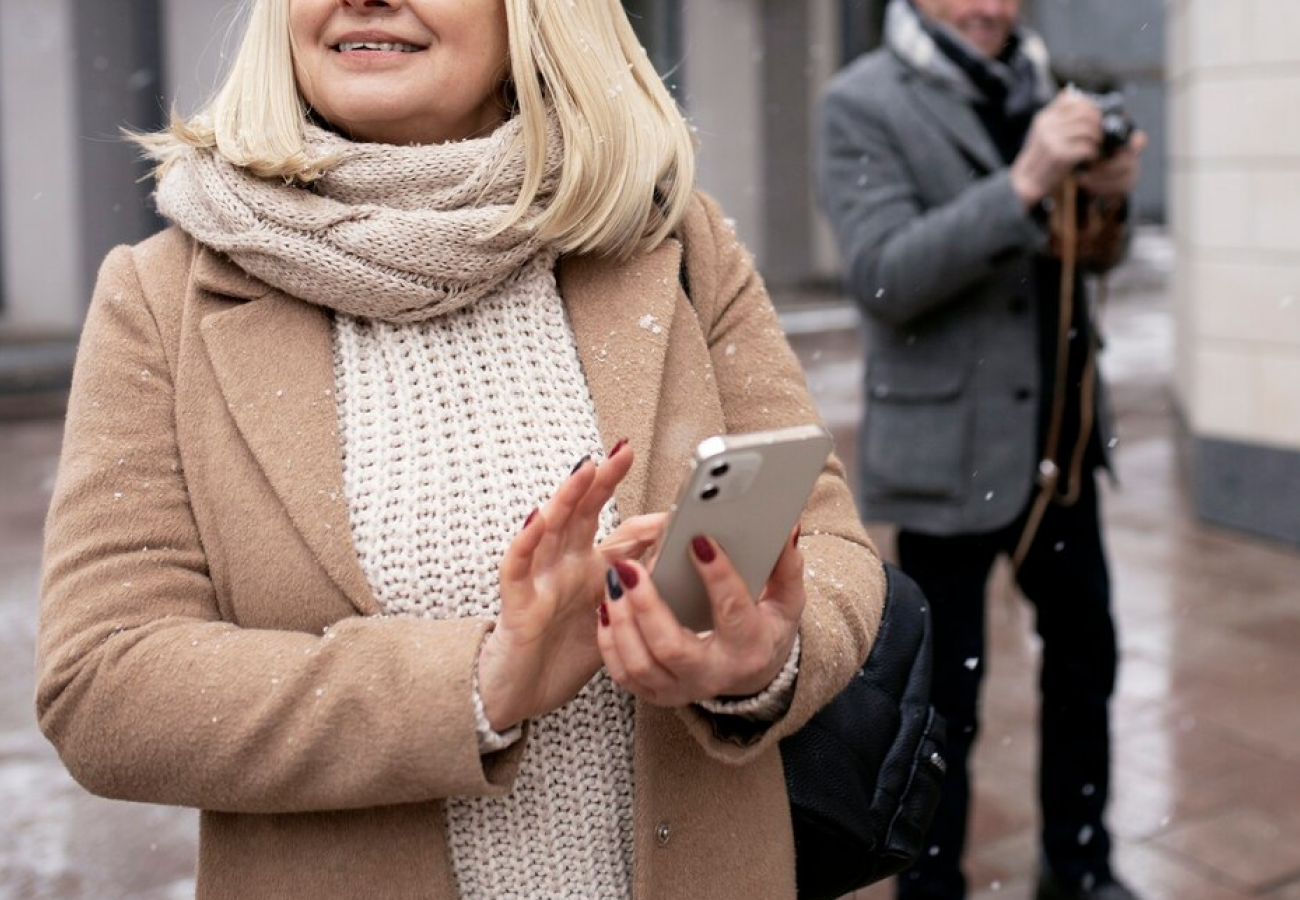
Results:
<point x="709" y="492"/>
<point x="720" y="469"/>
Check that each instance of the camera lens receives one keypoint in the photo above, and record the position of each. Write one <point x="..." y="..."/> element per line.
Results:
<point x="1116" y="131"/>
<point x="710" y="491"/>
<point x="720" y="469"/>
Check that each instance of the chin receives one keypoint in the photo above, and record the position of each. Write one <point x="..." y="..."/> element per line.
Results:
<point x="364" y="120"/>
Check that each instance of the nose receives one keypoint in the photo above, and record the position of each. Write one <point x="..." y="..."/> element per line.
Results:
<point x="992" y="9"/>
<point x="370" y="5"/>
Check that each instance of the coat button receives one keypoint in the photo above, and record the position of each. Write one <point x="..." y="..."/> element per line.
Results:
<point x="1019" y="306"/>
<point x="1024" y="394"/>
<point x="663" y="833"/>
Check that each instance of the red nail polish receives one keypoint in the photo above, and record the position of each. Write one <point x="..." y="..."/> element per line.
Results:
<point x="617" y="447"/>
<point x="798" y="531"/>
<point x="604" y="614"/>
<point x="704" y="551"/>
<point x="528" y="521"/>
<point x="626" y="574"/>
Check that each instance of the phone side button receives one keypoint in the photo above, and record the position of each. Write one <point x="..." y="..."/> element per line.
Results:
<point x="663" y="834"/>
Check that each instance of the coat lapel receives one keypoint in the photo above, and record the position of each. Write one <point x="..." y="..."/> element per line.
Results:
<point x="622" y="316"/>
<point x="273" y="361"/>
<point x="954" y="115"/>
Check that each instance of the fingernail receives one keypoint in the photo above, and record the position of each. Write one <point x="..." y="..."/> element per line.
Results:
<point x="604" y="615"/>
<point x="528" y="521"/>
<point x="613" y="587"/>
<point x="617" y="447"/>
<point x="582" y="462"/>
<point x="626" y="574"/>
<point x="798" y="530"/>
<point x="703" y="549"/>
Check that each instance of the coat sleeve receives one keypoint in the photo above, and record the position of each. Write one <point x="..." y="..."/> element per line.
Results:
<point x="761" y="386"/>
<point x="149" y="696"/>
<point x="903" y="258"/>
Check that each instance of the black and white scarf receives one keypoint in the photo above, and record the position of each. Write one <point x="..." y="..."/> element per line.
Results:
<point x="1018" y="82"/>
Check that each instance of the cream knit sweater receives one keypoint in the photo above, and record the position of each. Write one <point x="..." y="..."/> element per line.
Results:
<point x="452" y="430"/>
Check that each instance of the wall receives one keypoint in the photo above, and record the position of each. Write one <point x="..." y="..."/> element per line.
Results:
<point x="119" y="80"/>
<point x="723" y="97"/>
<point x="198" y="35"/>
<point x="1235" y="186"/>
<point x="39" y="176"/>
<point x="752" y="75"/>
<point x="72" y="74"/>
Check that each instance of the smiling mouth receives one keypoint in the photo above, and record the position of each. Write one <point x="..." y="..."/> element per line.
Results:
<point x="376" y="46"/>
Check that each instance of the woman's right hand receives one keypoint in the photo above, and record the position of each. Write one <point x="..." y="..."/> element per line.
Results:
<point x="543" y="648"/>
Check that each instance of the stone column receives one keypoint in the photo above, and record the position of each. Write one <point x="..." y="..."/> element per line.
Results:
<point x="724" y="96"/>
<point x="1235" y="189"/>
<point x="119" y="84"/>
<point x="199" y="37"/>
<point x="753" y="73"/>
<point x="40" y="186"/>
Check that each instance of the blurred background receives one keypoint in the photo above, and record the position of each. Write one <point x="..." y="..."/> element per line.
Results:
<point x="1203" y="330"/>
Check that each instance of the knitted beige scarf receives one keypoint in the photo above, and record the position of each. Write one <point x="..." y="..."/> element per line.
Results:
<point x="391" y="232"/>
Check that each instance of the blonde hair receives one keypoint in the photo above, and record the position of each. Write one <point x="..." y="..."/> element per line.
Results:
<point x="628" y="166"/>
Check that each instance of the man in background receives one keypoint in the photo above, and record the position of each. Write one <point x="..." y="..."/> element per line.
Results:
<point x="945" y="157"/>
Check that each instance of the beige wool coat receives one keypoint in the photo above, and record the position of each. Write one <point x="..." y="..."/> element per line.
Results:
<point x="208" y="638"/>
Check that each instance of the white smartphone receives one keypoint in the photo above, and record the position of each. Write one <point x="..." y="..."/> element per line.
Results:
<point x="745" y="491"/>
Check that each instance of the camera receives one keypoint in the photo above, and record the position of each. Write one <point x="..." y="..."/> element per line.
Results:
<point x="1117" y="126"/>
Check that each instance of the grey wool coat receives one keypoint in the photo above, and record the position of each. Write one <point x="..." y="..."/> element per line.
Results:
<point x="937" y="252"/>
<point x="208" y="638"/>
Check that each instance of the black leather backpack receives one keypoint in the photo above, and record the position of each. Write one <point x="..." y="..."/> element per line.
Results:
<point x="864" y="774"/>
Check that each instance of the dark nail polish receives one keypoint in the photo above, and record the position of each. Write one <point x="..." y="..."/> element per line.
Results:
<point x="617" y="447"/>
<point x="626" y="574"/>
<point x="531" y="516"/>
<point x="604" y="615"/>
<point x="613" y="587"/>
<point x="703" y="549"/>
<point x="582" y="462"/>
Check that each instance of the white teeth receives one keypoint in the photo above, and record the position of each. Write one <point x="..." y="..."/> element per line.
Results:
<point x="346" y="46"/>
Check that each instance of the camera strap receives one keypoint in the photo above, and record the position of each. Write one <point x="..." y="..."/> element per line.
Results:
<point x="1051" y="489"/>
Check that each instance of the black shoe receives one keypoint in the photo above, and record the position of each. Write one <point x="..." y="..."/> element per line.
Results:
<point x="1051" y="889"/>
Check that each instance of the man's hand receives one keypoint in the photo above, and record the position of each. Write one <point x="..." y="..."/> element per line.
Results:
<point x="1065" y="135"/>
<point x="1116" y="176"/>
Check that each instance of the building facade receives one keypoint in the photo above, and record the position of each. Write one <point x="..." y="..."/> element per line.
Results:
<point x="72" y="74"/>
<point x="1234" y="78"/>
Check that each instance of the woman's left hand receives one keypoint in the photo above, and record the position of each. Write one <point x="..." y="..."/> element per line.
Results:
<point x="649" y="653"/>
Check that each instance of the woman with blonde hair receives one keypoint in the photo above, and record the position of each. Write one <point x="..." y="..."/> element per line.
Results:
<point x="320" y="562"/>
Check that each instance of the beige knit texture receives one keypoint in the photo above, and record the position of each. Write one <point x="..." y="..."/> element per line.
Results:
<point x="390" y="233"/>
<point x="452" y="431"/>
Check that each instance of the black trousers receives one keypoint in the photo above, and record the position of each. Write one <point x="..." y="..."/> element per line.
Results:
<point x="1065" y="577"/>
